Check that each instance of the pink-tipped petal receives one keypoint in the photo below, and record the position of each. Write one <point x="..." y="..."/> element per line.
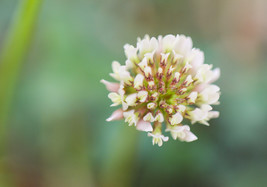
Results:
<point x="116" y="115"/>
<point x="144" y="126"/>
<point x="111" y="86"/>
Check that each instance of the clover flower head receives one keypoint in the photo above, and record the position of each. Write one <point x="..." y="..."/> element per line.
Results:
<point x="163" y="83"/>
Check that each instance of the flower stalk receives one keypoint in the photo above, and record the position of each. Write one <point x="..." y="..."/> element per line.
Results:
<point x="12" y="55"/>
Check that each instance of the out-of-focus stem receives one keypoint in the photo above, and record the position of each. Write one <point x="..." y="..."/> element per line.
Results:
<point x="13" y="53"/>
<point x="11" y="58"/>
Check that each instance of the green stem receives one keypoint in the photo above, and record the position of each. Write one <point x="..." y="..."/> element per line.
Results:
<point x="13" y="53"/>
<point x="11" y="59"/>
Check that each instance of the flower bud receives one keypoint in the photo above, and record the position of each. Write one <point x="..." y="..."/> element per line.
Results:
<point x="138" y="81"/>
<point x="131" y="117"/>
<point x="164" y="59"/>
<point x="143" y="63"/>
<point x="188" y="80"/>
<point x="148" y="117"/>
<point x="159" y="117"/>
<point x="115" y="98"/>
<point x="148" y="72"/>
<point x="142" y="96"/>
<point x="131" y="99"/>
<point x="186" y="67"/>
<point x="192" y="97"/>
<point x="151" y="106"/>
<point x="176" y="118"/>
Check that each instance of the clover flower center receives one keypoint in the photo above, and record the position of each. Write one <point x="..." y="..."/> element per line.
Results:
<point x="166" y="81"/>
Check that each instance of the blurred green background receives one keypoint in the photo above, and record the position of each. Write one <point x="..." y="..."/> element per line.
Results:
<point x="53" y="107"/>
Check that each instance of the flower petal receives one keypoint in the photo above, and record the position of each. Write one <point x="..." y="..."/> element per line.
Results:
<point x="116" y="115"/>
<point x="111" y="86"/>
<point x="144" y="126"/>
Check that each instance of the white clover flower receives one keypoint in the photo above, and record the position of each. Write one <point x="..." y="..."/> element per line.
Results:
<point x="147" y="45"/>
<point x="181" y="108"/>
<point x="120" y="73"/>
<point x="203" y="114"/>
<point x="131" y="117"/>
<point x="111" y="86"/>
<point x="192" y="97"/>
<point x="151" y="106"/>
<point x="150" y="57"/>
<point x="138" y="81"/>
<point x="158" y="138"/>
<point x="144" y="126"/>
<point x="177" y="76"/>
<point x="176" y="118"/>
<point x="159" y="117"/>
<point x="168" y="42"/>
<point x="183" y="45"/>
<point x="188" y="80"/>
<point x="142" y="96"/>
<point x="148" y="72"/>
<point x="129" y="64"/>
<point x="115" y="98"/>
<point x="131" y="99"/>
<point x="130" y="52"/>
<point x="197" y="59"/>
<point x="164" y="81"/>
<point x="210" y="95"/>
<point x="182" y="132"/>
<point x="143" y="63"/>
<point x="122" y="93"/>
<point x="164" y="57"/>
<point x="116" y="115"/>
<point x="176" y="57"/>
<point x="206" y="75"/>
<point x="148" y="117"/>
<point x="186" y="67"/>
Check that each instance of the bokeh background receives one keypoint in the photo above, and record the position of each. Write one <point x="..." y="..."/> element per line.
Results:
<point x="54" y="133"/>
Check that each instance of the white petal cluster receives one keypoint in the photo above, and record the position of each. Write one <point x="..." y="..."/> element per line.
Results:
<point x="163" y="83"/>
<point x="203" y="114"/>
<point x="131" y="99"/>
<point x="138" y="81"/>
<point x="159" y="117"/>
<point x="176" y="119"/>
<point x="158" y="138"/>
<point x="144" y="126"/>
<point x="182" y="132"/>
<point x="131" y="117"/>
<point x="120" y="73"/>
<point x="210" y="95"/>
